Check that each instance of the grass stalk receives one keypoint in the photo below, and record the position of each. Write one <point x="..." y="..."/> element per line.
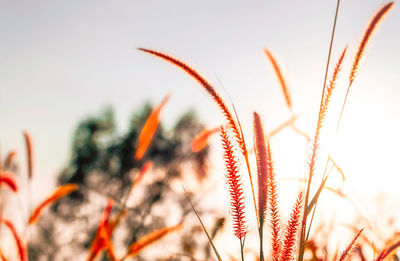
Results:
<point x="304" y="219"/>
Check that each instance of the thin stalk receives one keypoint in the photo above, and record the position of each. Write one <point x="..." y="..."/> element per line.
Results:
<point x="260" y="231"/>
<point x="316" y="203"/>
<point x="242" y="248"/>
<point x="341" y="111"/>
<point x="204" y="228"/>
<point x="304" y="220"/>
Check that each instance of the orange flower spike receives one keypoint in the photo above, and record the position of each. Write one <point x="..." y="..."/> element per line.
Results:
<point x="149" y="239"/>
<point x="105" y="236"/>
<point x="99" y="241"/>
<point x="201" y="140"/>
<point x="10" y="158"/>
<point x="367" y="36"/>
<point x="8" y="179"/>
<point x="281" y="79"/>
<point x="29" y="153"/>
<point x="23" y="256"/>
<point x="291" y="235"/>
<point x="60" y="192"/>
<point x="149" y="128"/>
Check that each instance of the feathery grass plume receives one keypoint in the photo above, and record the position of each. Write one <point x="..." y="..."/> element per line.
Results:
<point x="149" y="239"/>
<point x="367" y="35"/>
<point x="329" y="90"/>
<point x="281" y="79"/>
<point x="235" y="126"/>
<point x="60" y="192"/>
<point x="360" y="51"/>
<point x="262" y="174"/>
<point x="262" y="168"/>
<point x="304" y="219"/>
<point x="102" y="233"/>
<point x="7" y="178"/>
<point x="326" y="97"/>
<point x="23" y="256"/>
<point x="201" y="140"/>
<point x="29" y="153"/>
<point x="349" y="249"/>
<point x="208" y="87"/>
<point x="9" y="159"/>
<point x="273" y="209"/>
<point x="289" y="242"/>
<point x="235" y="186"/>
<point x="387" y="251"/>
<point x="149" y="128"/>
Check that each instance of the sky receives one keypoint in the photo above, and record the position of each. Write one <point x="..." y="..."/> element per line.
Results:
<point x="61" y="61"/>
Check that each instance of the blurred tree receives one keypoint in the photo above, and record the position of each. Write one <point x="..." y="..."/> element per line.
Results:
<point x="103" y="164"/>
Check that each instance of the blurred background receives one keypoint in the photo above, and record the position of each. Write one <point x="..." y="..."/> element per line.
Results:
<point x="70" y="75"/>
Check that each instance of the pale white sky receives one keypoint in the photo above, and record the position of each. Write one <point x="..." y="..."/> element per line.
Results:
<point x="63" y="60"/>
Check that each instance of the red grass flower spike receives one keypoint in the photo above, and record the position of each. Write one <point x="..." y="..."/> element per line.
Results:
<point x="289" y="243"/>
<point x="23" y="256"/>
<point x="8" y="179"/>
<point x="273" y="209"/>
<point x="235" y="187"/>
<point x="262" y="168"/>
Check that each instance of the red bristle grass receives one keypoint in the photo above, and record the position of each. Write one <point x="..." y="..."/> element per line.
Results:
<point x="150" y="239"/>
<point x="273" y="209"/>
<point x="201" y="140"/>
<point x="262" y="175"/>
<point x="262" y="168"/>
<point x="367" y="36"/>
<point x="235" y="126"/>
<point x="235" y="186"/>
<point x="361" y="48"/>
<point x="387" y="251"/>
<point x="209" y="88"/>
<point x="350" y="248"/>
<point x="326" y="98"/>
<point x="100" y="240"/>
<point x="58" y="193"/>
<point x="7" y="178"/>
<point x="149" y="129"/>
<point x="329" y="90"/>
<point x="29" y="153"/>
<point x="291" y="235"/>
<point x="9" y="159"/>
<point x="23" y="256"/>
<point x="281" y="79"/>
